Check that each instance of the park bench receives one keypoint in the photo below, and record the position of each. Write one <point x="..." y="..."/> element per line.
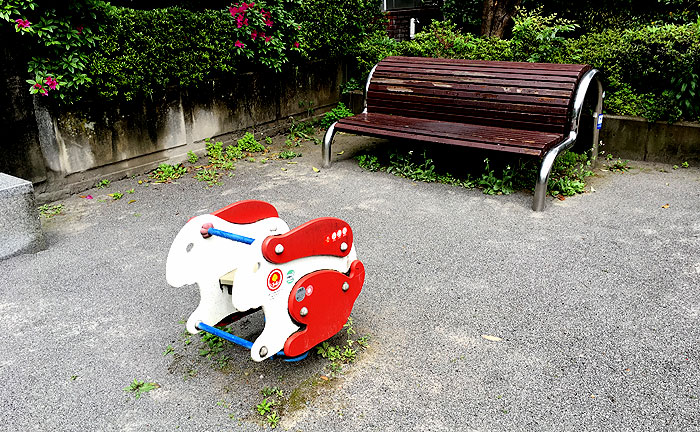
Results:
<point x="529" y="109"/>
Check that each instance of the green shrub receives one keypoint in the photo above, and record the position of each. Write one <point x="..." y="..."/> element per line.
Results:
<point x="442" y="39"/>
<point x="332" y="29"/>
<point x="536" y="38"/>
<point x="652" y="71"/>
<point x="332" y="116"/>
<point x="145" y="51"/>
<point x="465" y="14"/>
<point x="117" y="53"/>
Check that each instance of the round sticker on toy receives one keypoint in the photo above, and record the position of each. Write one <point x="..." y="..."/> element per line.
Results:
<point x="274" y="279"/>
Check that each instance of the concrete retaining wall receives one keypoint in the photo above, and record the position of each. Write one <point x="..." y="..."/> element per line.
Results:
<point x="77" y="148"/>
<point x="637" y="139"/>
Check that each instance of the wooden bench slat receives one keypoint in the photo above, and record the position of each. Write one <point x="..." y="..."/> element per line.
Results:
<point x="483" y="118"/>
<point x="515" y="68"/>
<point x="487" y="63"/>
<point x="470" y="95"/>
<point x="443" y="127"/>
<point x="463" y="79"/>
<point x="456" y="105"/>
<point x="476" y="72"/>
<point x="373" y="131"/>
<point x="472" y="87"/>
<point x="486" y="121"/>
<point x="431" y="129"/>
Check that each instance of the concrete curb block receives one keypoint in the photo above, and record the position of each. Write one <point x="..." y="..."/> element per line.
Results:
<point x="20" y="228"/>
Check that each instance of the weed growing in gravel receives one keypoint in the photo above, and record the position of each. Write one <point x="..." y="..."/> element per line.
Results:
<point x="102" y="184"/>
<point x="266" y="408"/>
<point x="138" y="388"/>
<point x="368" y="162"/>
<point x="232" y="153"/>
<point x="340" y="355"/>
<point x="49" y="210"/>
<point x="621" y="166"/>
<point x="249" y="144"/>
<point x="116" y="195"/>
<point x="165" y="173"/>
<point x="496" y="185"/>
<point x="299" y="132"/>
<point x="213" y="348"/>
<point x="214" y="345"/>
<point x="211" y="176"/>
<point x="288" y="154"/>
<point x="568" y="175"/>
<point x="685" y="165"/>
<point x="192" y="157"/>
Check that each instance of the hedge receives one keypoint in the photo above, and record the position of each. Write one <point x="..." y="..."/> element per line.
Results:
<point x="651" y="71"/>
<point x="124" y="53"/>
<point x="145" y="51"/>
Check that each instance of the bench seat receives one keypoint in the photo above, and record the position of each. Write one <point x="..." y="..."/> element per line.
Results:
<point x="516" y="141"/>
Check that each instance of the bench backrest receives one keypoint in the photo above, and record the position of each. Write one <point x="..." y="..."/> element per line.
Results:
<point x="531" y="96"/>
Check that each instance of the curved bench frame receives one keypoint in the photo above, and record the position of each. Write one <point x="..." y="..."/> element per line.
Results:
<point x="538" y="202"/>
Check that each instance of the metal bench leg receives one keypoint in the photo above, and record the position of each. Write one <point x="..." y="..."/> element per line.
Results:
<point x="327" y="141"/>
<point x="543" y="177"/>
<point x="598" y="111"/>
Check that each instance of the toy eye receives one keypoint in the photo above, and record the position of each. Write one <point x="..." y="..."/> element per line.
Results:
<point x="256" y="267"/>
<point x="189" y="247"/>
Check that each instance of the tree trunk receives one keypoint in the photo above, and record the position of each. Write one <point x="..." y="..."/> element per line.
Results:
<point x="497" y="16"/>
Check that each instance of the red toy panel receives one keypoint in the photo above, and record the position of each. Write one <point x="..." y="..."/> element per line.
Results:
<point x="322" y="301"/>
<point x="245" y="212"/>
<point x="322" y="236"/>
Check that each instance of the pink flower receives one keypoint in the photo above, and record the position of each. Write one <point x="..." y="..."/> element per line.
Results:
<point x="268" y="22"/>
<point x="37" y="85"/>
<point x="80" y="29"/>
<point x="51" y="82"/>
<point x="245" y="22"/>
<point x="296" y="44"/>
<point x="268" y="38"/>
<point x="239" y="44"/>
<point x="254" y="34"/>
<point x="22" y="23"/>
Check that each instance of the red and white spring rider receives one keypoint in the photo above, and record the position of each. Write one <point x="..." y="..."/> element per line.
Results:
<point x="244" y="257"/>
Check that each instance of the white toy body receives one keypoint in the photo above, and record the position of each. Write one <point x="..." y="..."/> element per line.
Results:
<point x="198" y="259"/>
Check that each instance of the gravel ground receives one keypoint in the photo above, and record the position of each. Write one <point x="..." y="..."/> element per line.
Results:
<point x="595" y="304"/>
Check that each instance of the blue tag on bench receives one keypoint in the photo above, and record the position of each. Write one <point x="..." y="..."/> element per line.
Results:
<point x="600" y="121"/>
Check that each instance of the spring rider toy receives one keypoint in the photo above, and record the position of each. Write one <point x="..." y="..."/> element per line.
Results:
<point x="243" y="257"/>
